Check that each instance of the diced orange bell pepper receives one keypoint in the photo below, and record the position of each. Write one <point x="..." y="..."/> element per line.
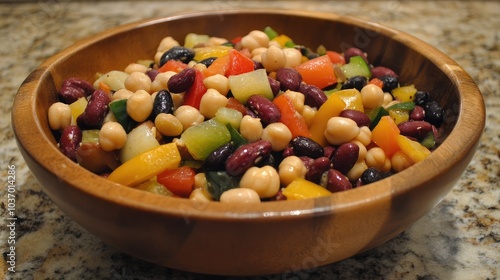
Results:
<point x="290" y="117"/>
<point x="318" y="71"/>
<point x="376" y="81"/>
<point x="385" y="135"/>
<point x="412" y="149"/>
<point x="302" y="189"/>
<point x="331" y="108"/>
<point x="146" y="165"/>
<point x="219" y="66"/>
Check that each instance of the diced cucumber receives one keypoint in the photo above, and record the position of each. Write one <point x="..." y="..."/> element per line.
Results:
<point x="247" y="84"/>
<point x="236" y="137"/>
<point x="119" y="110"/>
<point x="193" y="39"/>
<point x="375" y="115"/>
<point x="203" y="138"/>
<point x="357" y="66"/>
<point x="271" y="33"/>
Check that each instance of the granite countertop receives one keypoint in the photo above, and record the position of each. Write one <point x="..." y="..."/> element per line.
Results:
<point x="459" y="239"/>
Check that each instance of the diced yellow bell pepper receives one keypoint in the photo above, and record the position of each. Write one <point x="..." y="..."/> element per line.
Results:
<point x="147" y="165"/>
<point x="212" y="51"/>
<point x="331" y="108"/>
<point x="399" y="116"/>
<point x="302" y="189"/>
<point x="412" y="149"/>
<point x="282" y="40"/>
<point x="77" y="108"/>
<point x="352" y="98"/>
<point x="404" y="93"/>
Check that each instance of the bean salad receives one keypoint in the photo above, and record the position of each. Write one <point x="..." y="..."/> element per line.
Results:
<point x="245" y="120"/>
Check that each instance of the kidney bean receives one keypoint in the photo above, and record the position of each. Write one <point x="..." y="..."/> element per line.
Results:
<point x="275" y="85"/>
<point x="92" y="157"/>
<point x="177" y="53"/>
<point x="181" y="81"/>
<point x="314" y="96"/>
<point x="337" y="182"/>
<point x="288" y="151"/>
<point x="152" y="73"/>
<point x="308" y="162"/>
<point x="415" y="129"/>
<point x="265" y="109"/>
<point x="304" y="146"/>
<point x="245" y="156"/>
<point x="74" y="88"/>
<point x="216" y="159"/>
<point x="163" y="103"/>
<point x="328" y="151"/>
<point x="359" y="117"/>
<point x="96" y="110"/>
<point x="379" y="71"/>
<point x="318" y="167"/>
<point x="289" y="78"/>
<point x="69" y="142"/>
<point x="350" y="52"/>
<point x="345" y="156"/>
<point x="417" y="114"/>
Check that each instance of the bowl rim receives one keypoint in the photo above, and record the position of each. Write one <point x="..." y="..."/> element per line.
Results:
<point x="46" y="154"/>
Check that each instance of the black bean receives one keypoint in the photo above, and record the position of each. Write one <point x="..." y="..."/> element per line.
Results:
<point x="390" y="83"/>
<point x="434" y="114"/>
<point x="208" y="61"/>
<point x="177" y="53"/>
<point x="216" y="159"/>
<point x="162" y="103"/>
<point x="357" y="82"/>
<point x="371" y="175"/>
<point x="304" y="146"/>
<point x="421" y="98"/>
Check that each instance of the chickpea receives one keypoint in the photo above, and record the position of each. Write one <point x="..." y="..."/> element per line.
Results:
<point x="372" y="96"/>
<point x="121" y="94"/>
<point x="400" y="161"/>
<point x="210" y="102"/>
<point x="188" y="116"/>
<point x="375" y="157"/>
<point x="139" y="105"/>
<point x="135" y="67"/>
<point x="167" y="43"/>
<point x="112" y="136"/>
<point x="264" y="180"/>
<point x="309" y="113"/>
<point x="297" y="99"/>
<point x="290" y="168"/>
<point x="273" y="59"/>
<point x="161" y="81"/>
<point x="168" y="125"/>
<point x="257" y="53"/>
<point x="218" y="82"/>
<point x="255" y="39"/>
<point x="293" y="57"/>
<point x="364" y="136"/>
<point x="251" y="128"/>
<point x="340" y="130"/>
<point x="278" y="134"/>
<point x="199" y="196"/>
<point x="387" y="99"/>
<point x="200" y="181"/>
<point x="357" y="170"/>
<point x="239" y="196"/>
<point x="199" y="66"/>
<point x="138" y="81"/>
<point x="362" y="150"/>
<point x="59" y="116"/>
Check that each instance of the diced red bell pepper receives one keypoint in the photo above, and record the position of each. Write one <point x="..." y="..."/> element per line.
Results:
<point x="173" y="65"/>
<point x="336" y="58"/>
<point x="290" y="117"/>
<point x="192" y="96"/>
<point x="238" y="64"/>
<point x="179" y="181"/>
<point x="235" y="104"/>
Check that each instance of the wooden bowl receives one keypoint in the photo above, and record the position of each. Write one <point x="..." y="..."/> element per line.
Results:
<point x="273" y="237"/>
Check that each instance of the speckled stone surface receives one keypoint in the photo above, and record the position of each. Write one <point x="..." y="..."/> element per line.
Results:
<point x="459" y="239"/>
